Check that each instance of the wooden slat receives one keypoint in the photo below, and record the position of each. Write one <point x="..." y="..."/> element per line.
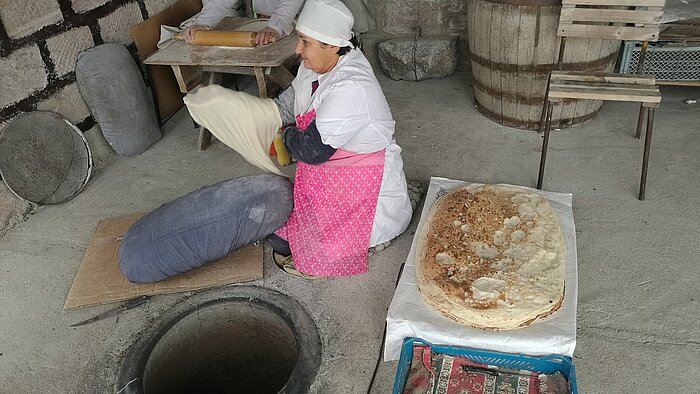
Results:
<point x="680" y="83"/>
<point x="509" y="53"/>
<point x="495" y="44"/>
<point x="609" y="32"/>
<point x="604" y="94"/>
<point x="604" y="86"/>
<point x="637" y="79"/>
<point x="630" y="3"/>
<point x="610" y="15"/>
<point x="526" y="86"/>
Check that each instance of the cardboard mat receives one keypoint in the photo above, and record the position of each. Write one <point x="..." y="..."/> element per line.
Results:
<point x="99" y="280"/>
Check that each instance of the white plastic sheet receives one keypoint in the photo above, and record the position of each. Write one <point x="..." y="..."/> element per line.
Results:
<point x="410" y="316"/>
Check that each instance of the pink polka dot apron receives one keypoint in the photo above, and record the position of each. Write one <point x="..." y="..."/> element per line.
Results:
<point x="334" y="206"/>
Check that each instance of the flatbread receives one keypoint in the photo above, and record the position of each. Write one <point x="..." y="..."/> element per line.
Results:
<point x="492" y="257"/>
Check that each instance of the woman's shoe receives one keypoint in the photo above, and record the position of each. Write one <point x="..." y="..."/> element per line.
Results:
<point x="286" y="264"/>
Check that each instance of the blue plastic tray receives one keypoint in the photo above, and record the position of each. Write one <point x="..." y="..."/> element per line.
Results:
<point x="542" y="364"/>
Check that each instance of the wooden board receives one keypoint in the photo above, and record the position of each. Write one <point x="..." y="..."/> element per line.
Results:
<point x="146" y="35"/>
<point x="639" y="79"/>
<point x="610" y="15"/>
<point x="604" y="93"/>
<point x="99" y="280"/>
<point x="181" y="53"/>
<point x="646" y="33"/>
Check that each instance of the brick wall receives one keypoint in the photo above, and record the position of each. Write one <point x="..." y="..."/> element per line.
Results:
<point x="39" y="42"/>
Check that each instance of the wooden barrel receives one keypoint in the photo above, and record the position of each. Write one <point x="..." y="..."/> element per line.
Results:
<point x="513" y="46"/>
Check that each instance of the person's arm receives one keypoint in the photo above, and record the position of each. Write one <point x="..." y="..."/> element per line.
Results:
<point x="306" y="146"/>
<point x="285" y="104"/>
<point x="213" y="12"/>
<point x="283" y="14"/>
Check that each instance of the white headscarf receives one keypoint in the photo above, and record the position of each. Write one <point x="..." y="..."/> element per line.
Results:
<point x="328" y="21"/>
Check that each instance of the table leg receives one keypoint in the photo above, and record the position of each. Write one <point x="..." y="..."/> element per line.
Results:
<point x="260" y="77"/>
<point x="281" y="76"/>
<point x="204" y="134"/>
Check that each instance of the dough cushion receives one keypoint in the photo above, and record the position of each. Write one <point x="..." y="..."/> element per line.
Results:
<point x="492" y="257"/>
<point x="245" y="123"/>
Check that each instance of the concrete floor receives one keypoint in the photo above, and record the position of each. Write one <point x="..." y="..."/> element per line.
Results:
<point x="639" y="325"/>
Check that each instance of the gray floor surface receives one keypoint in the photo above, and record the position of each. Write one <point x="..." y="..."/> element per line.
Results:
<point x="638" y="320"/>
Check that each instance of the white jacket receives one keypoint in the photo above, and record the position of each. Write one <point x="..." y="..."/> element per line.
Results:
<point x="352" y="114"/>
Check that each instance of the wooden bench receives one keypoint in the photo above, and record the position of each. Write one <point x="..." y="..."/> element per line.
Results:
<point x="615" y="20"/>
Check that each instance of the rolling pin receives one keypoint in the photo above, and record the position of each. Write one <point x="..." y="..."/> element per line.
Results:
<point x="224" y="38"/>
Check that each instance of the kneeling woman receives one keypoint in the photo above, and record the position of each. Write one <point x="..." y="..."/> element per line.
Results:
<point x="350" y="189"/>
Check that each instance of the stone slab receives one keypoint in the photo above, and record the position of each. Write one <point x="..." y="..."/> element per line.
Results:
<point x="12" y="209"/>
<point x="415" y="59"/>
<point x="433" y="17"/>
<point x="115" y="26"/>
<point x="68" y="102"/>
<point x="23" y="73"/>
<point x="22" y="18"/>
<point x="64" y="48"/>
<point x="80" y="6"/>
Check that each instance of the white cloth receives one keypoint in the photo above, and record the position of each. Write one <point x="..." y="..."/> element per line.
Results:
<point x="410" y="316"/>
<point x="352" y="114"/>
<point x="328" y="21"/>
<point x="245" y="123"/>
<point x="281" y="13"/>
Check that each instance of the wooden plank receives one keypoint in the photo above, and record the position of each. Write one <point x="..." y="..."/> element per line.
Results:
<point x="545" y="53"/>
<point x="610" y="15"/>
<point x="627" y="33"/>
<point x="205" y="135"/>
<point x="230" y="70"/>
<point x="629" y="3"/>
<point x="639" y="79"/>
<point x="679" y="83"/>
<point x="602" y="94"/>
<point x="604" y="86"/>
<point x="509" y="54"/>
<point x="262" y="85"/>
<point x="181" y="53"/>
<point x="472" y="31"/>
<point x="496" y="28"/>
<point x="482" y="14"/>
<point x="592" y="50"/>
<point x="574" y="52"/>
<point x="524" y="88"/>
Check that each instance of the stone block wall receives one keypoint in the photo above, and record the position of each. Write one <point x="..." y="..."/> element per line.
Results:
<point x="39" y="42"/>
<point x="407" y="18"/>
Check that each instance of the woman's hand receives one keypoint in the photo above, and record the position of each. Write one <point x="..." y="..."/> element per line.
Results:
<point x="267" y="35"/>
<point x="192" y="30"/>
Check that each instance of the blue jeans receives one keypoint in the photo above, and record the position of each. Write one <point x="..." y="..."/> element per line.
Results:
<point x="204" y="225"/>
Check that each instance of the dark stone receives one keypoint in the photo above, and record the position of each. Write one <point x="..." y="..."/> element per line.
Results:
<point x="415" y="59"/>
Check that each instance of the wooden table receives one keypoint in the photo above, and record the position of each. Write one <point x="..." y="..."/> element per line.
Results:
<point x="194" y="65"/>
